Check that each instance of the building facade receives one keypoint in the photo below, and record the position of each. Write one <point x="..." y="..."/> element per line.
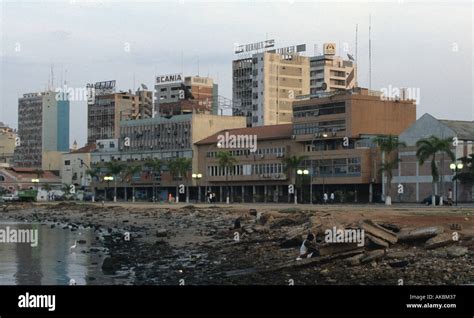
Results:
<point x="336" y="131"/>
<point x="415" y="179"/>
<point x="7" y="144"/>
<point x="329" y="73"/>
<point x="75" y="165"/>
<point x="43" y="130"/>
<point x="176" y="94"/>
<point x="265" y="85"/>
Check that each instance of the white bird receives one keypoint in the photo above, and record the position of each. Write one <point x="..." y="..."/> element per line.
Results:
<point x="72" y="282"/>
<point x="74" y="246"/>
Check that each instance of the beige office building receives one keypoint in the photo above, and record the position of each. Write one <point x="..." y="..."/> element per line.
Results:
<point x="329" y="73"/>
<point x="266" y="85"/>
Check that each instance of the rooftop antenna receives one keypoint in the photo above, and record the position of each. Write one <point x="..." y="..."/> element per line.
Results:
<point x="133" y="81"/>
<point x="370" y="52"/>
<point x="52" y="76"/>
<point x="181" y="61"/>
<point x="198" y="64"/>
<point x="356" y="65"/>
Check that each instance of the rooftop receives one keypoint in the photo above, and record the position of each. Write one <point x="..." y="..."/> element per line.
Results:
<point x="262" y="132"/>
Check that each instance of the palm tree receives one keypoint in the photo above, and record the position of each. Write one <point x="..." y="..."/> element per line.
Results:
<point x="39" y="173"/>
<point x="429" y="147"/>
<point x="387" y="145"/>
<point x="226" y="162"/>
<point x="290" y="165"/>
<point x="93" y="173"/>
<point x="179" y="167"/>
<point x="154" y="165"/>
<point x="115" y="168"/>
<point x="130" y="171"/>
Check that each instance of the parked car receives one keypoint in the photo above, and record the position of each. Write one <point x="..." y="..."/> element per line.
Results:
<point x="10" y="197"/>
<point x="428" y="200"/>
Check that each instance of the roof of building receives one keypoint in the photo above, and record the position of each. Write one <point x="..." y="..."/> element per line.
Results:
<point x="87" y="148"/>
<point x="19" y="172"/>
<point x="464" y="129"/>
<point x="283" y="131"/>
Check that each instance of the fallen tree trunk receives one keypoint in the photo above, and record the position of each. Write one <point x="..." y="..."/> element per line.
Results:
<point x="419" y="233"/>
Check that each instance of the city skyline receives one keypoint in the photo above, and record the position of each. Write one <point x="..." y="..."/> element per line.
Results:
<point x="135" y="52"/>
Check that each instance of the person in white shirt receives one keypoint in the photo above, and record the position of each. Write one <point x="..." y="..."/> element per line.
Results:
<point x="325" y="198"/>
<point x="308" y="249"/>
<point x="332" y="197"/>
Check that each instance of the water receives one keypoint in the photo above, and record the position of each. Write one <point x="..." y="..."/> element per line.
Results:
<point x="52" y="262"/>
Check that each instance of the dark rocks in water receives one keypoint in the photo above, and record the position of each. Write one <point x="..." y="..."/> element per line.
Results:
<point x="125" y="221"/>
<point x="161" y="233"/>
<point x="53" y="226"/>
<point x="253" y="212"/>
<point x="82" y="241"/>
<point x="91" y="278"/>
<point x="237" y="224"/>
<point x="110" y="265"/>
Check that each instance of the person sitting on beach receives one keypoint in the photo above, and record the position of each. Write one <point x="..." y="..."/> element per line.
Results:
<point x="308" y="249"/>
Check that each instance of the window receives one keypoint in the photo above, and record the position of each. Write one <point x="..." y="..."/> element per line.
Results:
<point x="67" y="162"/>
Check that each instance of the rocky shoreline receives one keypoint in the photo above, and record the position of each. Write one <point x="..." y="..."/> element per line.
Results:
<point x="207" y="245"/>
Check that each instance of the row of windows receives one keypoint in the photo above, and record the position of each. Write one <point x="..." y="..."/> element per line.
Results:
<point x="246" y="170"/>
<point x="317" y="127"/>
<point x="245" y="152"/>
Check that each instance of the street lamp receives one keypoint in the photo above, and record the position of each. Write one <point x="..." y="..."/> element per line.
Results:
<point x="197" y="177"/>
<point x="315" y="136"/>
<point x="35" y="181"/>
<point x="108" y="179"/>
<point x="456" y="168"/>
<point x="302" y="172"/>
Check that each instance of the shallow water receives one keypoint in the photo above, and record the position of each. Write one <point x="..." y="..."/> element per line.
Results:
<point x="52" y="261"/>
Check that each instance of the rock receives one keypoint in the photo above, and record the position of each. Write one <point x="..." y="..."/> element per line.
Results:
<point x="375" y="240"/>
<point x="237" y="224"/>
<point x="253" y="212"/>
<point x="324" y="272"/>
<point x="457" y="251"/>
<point x="398" y="254"/>
<point x="372" y="256"/>
<point x="439" y="240"/>
<point x="335" y="248"/>
<point x="293" y="238"/>
<point x="380" y="232"/>
<point x="82" y="241"/>
<point x="419" y="233"/>
<point x="110" y="264"/>
<point x="354" y="260"/>
<point x="398" y="264"/>
<point x="161" y="233"/>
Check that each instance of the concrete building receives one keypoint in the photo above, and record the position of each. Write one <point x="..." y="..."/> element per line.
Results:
<point x="176" y="94"/>
<point x="75" y="164"/>
<point x="7" y="144"/>
<point x="105" y="114"/>
<point x="336" y="131"/>
<point x="43" y="130"/>
<point x="162" y="138"/>
<point x="329" y="73"/>
<point x="143" y="104"/>
<point x="265" y="84"/>
<point x="416" y="179"/>
<point x="15" y="178"/>
<point x="258" y="176"/>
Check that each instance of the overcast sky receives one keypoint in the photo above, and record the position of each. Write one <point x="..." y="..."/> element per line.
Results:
<point x="424" y="45"/>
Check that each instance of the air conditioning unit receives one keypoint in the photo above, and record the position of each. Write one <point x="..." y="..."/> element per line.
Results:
<point x="262" y="156"/>
<point x="293" y="136"/>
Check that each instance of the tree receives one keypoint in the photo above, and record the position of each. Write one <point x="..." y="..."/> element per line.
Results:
<point x="226" y="162"/>
<point x="39" y="173"/>
<point x="428" y="148"/>
<point x="179" y="168"/>
<point x="290" y="165"/>
<point x="154" y="166"/>
<point x="115" y="168"/>
<point x="130" y="171"/>
<point x="388" y="144"/>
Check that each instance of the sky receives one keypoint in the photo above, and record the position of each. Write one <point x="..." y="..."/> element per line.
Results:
<point x="422" y="45"/>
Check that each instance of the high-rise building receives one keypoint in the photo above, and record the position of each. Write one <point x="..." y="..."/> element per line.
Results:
<point x="43" y="130"/>
<point x="143" y="106"/>
<point x="176" y="94"/>
<point x="265" y="84"/>
<point x="329" y="72"/>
